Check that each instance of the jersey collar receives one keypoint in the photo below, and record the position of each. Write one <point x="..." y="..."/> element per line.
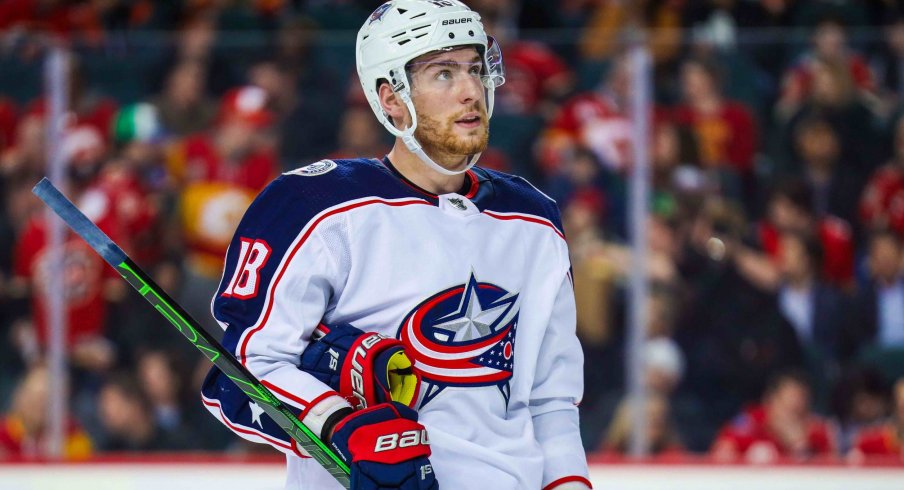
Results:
<point x="468" y="189"/>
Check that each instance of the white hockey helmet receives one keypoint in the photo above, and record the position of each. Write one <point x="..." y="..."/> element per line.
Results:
<point x="401" y="30"/>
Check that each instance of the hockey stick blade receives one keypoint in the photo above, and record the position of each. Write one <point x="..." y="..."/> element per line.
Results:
<point x="192" y="330"/>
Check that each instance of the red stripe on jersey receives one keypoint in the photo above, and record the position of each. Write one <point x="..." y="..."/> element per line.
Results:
<point x="485" y="378"/>
<point x="301" y="242"/>
<point x="447" y="349"/>
<point x="562" y="481"/>
<point x="522" y="217"/>
<point x="277" y="389"/>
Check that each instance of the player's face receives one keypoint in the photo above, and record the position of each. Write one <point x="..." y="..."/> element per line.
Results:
<point x="449" y="98"/>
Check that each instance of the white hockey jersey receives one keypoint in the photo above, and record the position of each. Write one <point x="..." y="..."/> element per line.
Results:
<point x="476" y="284"/>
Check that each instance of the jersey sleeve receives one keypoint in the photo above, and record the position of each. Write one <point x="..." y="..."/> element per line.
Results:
<point x="556" y="392"/>
<point x="280" y="274"/>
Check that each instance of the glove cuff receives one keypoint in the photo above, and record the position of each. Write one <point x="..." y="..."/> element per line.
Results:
<point x="327" y="432"/>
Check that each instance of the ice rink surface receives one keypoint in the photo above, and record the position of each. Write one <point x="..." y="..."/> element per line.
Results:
<point x="259" y="476"/>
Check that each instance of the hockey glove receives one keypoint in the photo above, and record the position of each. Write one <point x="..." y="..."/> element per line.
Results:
<point x="385" y="448"/>
<point x="365" y="367"/>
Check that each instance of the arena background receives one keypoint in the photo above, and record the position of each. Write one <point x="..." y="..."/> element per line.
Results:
<point x="738" y="272"/>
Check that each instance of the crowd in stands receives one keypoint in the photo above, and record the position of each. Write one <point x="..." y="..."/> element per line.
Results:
<point x="775" y="319"/>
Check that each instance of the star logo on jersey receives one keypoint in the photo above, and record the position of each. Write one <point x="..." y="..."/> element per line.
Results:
<point x="256" y="412"/>
<point x="463" y="336"/>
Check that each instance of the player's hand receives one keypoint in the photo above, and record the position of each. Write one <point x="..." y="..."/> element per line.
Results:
<point x="385" y="447"/>
<point x="365" y="367"/>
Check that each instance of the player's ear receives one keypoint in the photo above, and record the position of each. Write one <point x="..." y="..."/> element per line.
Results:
<point x="393" y="105"/>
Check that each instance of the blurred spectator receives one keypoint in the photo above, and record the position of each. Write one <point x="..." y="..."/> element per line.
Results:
<point x="23" y="429"/>
<point x="718" y="22"/>
<point x="610" y="260"/>
<point x="878" y="312"/>
<point x="661" y="437"/>
<point x="163" y="387"/>
<point x="138" y="139"/>
<point x="731" y="328"/>
<point x="128" y="419"/>
<point x="860" y="402"/>
<point x="20" y="167"/>
<point x="782" y="425"/>
<point x="360" y="135"/>
<point x="536" y="78"/>
<point x="663" y="251"/>
<point x="195" y="43"/>
<point x="725" y="131"/>
<point x="183" y="105"/>
<point x="889" y="63"/>
<point x="218" y="174"/>
<point x="814" y="308"/>
<point x="596" y="120"/>
<point x="89" y="284"/>
<point x="25" y="156"/>
<point x="882" y="200"/>
<point x="580" y="171"/>
<point x="237" y="150"/>
<point x="613" y="23"/>
<point x="596" y="278"/>
<point x="306" y="121"/>
<point x="832" y="184"/>
<point x="829" y="46"/>
<point x="87" y="106"/>
<point x="663" y="364"/>
<point x="886" y="439"/>
<point x="675" y="167"/>
<point x="791" y="207"/>
<point x="593" y="274"/>
<point x="295" y="52"/>
<point x="833" y="97"/>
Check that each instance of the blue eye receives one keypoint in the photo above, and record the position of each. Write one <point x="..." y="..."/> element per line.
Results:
<point x="444" y="75"/>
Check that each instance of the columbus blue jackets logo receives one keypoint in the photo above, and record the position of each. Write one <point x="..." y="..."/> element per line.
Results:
<point x="463" y="336"/>
<point x="314" y="169"/>
<point x="378" y="14"/>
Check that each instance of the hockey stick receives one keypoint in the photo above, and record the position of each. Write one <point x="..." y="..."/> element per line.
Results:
<point x="192" y="330"/>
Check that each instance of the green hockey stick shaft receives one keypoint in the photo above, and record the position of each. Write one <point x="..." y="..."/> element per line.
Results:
<point x="192" y="330"/>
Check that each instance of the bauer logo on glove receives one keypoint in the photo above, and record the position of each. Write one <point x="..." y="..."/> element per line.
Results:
<point x="386" y="447"/>
<point x="365" y="367"/>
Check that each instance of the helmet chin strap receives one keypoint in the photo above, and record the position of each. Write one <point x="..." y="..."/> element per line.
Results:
<point x="414" y="146"/>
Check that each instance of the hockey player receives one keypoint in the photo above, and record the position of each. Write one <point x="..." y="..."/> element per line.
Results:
<point x="415" y="310"/>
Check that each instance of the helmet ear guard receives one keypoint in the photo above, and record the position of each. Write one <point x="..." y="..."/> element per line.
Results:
<point x="400" y="31"/>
